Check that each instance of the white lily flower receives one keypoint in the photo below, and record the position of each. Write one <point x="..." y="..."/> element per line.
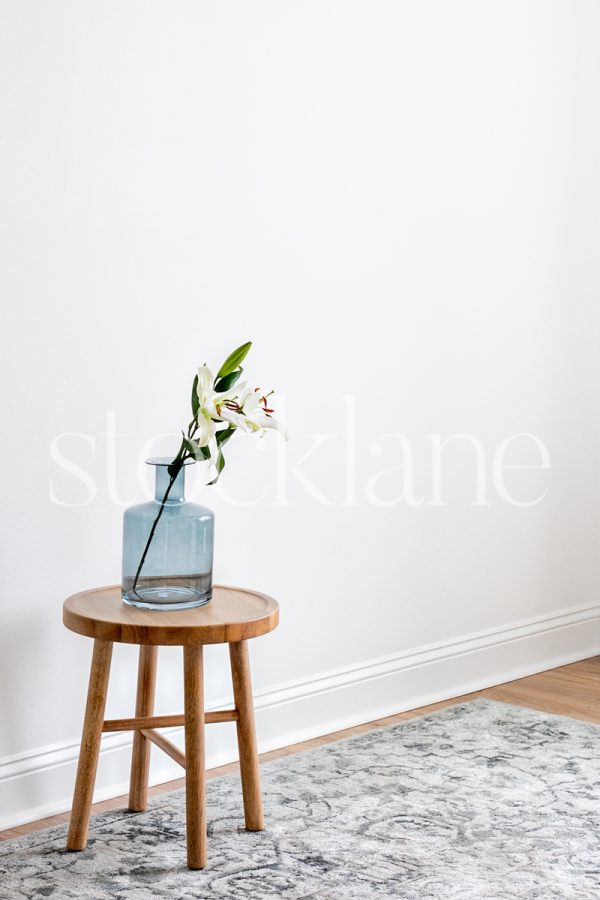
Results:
<point x="223" y="402"/>
<point x="240" y="407"/>
<point x="210" y="402"/>
<point x="257" y="416"/>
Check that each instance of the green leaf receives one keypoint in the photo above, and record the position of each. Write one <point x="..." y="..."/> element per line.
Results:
<point x="223" y="384"/>
<point x="219" y="466"/>
<point x="195" y="400"/>
<point x="199" y="453"/>
<point x="224" y="435"/>
<point x="234" y="360"/>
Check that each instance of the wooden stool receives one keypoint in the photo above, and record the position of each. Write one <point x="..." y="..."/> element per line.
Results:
<point x="232" y="617"/>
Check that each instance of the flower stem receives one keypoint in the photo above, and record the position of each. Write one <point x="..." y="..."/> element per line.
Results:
<point x="174" y="470"/>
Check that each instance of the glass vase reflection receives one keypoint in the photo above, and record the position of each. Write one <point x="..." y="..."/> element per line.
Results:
<point x="167" y="547"/>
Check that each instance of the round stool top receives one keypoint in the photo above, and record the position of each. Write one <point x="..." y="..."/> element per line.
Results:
<point x="233" y="614"/>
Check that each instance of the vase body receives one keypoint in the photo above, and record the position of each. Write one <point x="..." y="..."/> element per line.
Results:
<point x="176" y="572"/>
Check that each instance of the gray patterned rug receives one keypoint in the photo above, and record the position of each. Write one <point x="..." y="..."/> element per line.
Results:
<point x="482" y="800"/>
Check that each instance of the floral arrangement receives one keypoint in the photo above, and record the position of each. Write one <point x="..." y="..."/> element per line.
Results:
<point x="221" y="405"/>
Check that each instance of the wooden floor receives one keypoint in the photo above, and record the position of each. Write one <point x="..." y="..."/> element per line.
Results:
<point x="572" y="690"/>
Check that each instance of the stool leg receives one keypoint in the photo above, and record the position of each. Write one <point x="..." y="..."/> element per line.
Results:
<point x="90" y="745"/>
<point x="144" y="706"/>
<point x="246" y="734"/>
<point x="195" y="800"/>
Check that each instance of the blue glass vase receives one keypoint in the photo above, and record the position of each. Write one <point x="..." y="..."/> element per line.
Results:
<point x="167" y="547"/>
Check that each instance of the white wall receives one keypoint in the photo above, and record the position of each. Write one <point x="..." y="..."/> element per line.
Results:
<point x="398" y="202"/>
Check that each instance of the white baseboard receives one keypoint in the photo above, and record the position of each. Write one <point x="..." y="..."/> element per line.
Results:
<point x="39" y="783"/>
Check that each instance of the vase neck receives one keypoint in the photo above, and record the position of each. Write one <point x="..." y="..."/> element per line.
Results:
<point x="162" y="481"/>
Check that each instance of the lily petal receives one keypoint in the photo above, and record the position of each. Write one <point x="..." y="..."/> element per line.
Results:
<point x="270" y="422"/>
<point x="232" y="394"/>
<point x="251" y="402"/>
<point x="205" y="384"/>
<point x="234" y="418"/>
<point x="206" y="429"/>
<point x="213" y="449"/>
